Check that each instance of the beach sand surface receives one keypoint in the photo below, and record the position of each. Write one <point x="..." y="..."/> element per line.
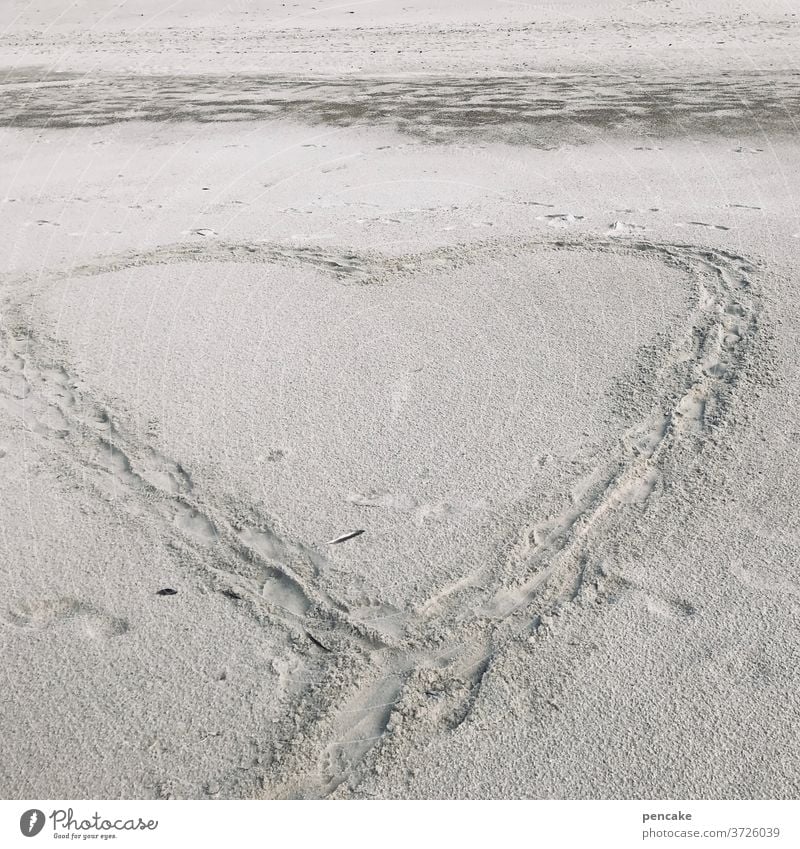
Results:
<point x="399" y="404"/>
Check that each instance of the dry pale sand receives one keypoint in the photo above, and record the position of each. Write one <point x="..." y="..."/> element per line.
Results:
<point x="510" y="297"/>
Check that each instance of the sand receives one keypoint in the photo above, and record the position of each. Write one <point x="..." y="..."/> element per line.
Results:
<point x="513" y="321"/>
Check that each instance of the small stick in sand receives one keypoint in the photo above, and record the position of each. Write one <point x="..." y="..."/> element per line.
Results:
<point x="345" y="537"/>
<point x="317" y="642"/>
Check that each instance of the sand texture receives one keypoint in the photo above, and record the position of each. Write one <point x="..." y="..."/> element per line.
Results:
<point x="399" y="401"/>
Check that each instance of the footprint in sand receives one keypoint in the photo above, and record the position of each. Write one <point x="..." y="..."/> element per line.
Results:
<point x="382" y="498"/>
<point x="194" y="524"/>
<point x="284" y="593"/>
<point x="708" y="226"/>
<point x="41" y="614"/>
<point x="664" y="607"/>
<point x="765" y="581"/>
<point x="384" y="618"/>
<point x="560" y="219"/>
<point x="691" y="410"/>
<point x="163" y="473"/>
<point x="705" y="224"/>
<point x="618" y="228"/>
<point x="612" y="586"/>
<point x="278" y="587"/>
<point x="637" y="491"/>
